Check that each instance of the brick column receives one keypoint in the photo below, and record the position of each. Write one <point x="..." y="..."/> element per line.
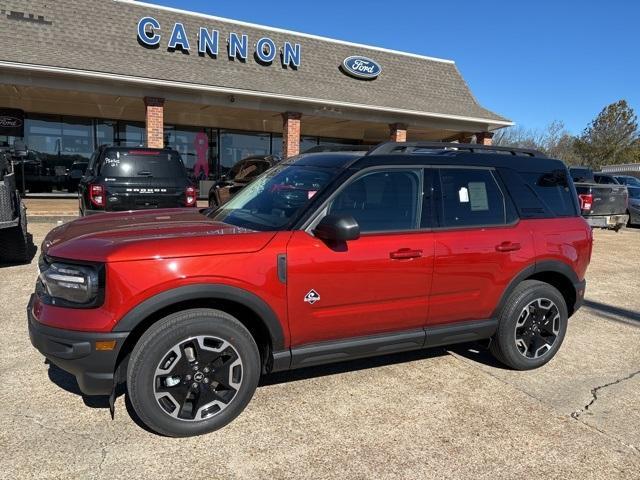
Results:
<point x="484" y="138"/>
<point x="154" y="118"/>
<point x="290" y="134"/>
<point x="398" y="132"/>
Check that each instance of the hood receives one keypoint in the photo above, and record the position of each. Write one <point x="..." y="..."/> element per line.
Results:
<point x="166" y="233"/>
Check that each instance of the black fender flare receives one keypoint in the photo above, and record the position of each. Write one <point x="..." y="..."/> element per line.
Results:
<point x="555" y="266"/>
<point x="205" y="291"/>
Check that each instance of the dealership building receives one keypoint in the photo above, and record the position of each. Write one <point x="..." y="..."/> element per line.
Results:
<point x="75" y="74"/>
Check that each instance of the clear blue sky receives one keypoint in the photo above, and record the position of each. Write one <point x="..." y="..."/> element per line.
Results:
<point x="532" y="61"/>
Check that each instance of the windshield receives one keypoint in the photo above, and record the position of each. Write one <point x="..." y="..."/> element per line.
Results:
<point x="273" y="200"/>
<point x="634" y="192"/>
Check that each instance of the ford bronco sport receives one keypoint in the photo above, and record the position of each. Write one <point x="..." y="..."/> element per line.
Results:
<point x="325" y="257"/>
<point x="119" y="179"/>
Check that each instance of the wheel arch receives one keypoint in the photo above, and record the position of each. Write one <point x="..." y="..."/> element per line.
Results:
<point x="554" y="272"/>
<point x="253" y="312"/>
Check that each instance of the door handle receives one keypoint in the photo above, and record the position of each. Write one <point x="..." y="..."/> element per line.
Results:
<point x="405" y="253"/>
<point x="508" y="247"/>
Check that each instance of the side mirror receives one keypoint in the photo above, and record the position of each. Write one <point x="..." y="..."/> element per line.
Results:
<point x="337" y="228"/>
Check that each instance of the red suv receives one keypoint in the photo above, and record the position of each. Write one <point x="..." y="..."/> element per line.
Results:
<point x="325" y="257"/>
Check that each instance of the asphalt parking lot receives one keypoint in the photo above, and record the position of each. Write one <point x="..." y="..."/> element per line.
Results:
<point x="434" y="414"/>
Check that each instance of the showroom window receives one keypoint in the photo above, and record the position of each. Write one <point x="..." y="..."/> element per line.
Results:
<point x="131" y="134"/>
<point x="196" y="147"/>
<point x="236" y="146"/>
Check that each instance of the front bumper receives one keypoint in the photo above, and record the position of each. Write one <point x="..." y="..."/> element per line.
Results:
<point x="607" y="221"/>
<point x="75" y="352"/>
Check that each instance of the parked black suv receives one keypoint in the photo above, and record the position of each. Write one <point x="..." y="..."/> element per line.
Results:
<point x="126" y="178"/>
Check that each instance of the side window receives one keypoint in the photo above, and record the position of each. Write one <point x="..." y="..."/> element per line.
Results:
<point x="470" y="197"/>
<point x="382" y="201"/>
<point x="553" y="189"/>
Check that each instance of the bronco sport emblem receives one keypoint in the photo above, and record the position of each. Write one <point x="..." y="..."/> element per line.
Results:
<point x="312" y="297"/>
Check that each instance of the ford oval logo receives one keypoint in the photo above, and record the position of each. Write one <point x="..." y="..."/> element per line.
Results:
<point x="7" y="121"/>
<point x="361" y="67"/>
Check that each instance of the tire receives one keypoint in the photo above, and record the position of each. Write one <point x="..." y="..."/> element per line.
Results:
<point x="15" y="241"/>
<point x="512" y="336"/>
<point x="161" y="356"/>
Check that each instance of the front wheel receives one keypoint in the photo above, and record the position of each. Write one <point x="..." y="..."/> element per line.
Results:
<point x="193" y="372"/>
<point x="532" y="326"/>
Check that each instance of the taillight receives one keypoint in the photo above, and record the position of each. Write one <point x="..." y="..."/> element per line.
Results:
<point x="96" y="195"/>
<point x="190" y="197"/>
<point x="586" y="201"/>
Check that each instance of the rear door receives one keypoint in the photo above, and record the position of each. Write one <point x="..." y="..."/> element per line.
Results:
<point x="479" y="244"/>
<point x="139" y="179"/>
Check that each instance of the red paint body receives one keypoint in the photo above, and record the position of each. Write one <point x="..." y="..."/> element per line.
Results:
<point x="434" y="277"/>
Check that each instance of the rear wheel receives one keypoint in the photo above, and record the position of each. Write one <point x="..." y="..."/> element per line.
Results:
<point x="193" y="372"/>
<point x="532" y="326"/>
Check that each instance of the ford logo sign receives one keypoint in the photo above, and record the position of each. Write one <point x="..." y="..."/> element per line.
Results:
<point x="361" y="67"/>
<point x="6" y="121"/>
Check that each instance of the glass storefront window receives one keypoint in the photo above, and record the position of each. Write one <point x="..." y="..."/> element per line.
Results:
<point x="194" y="144"/>
<point x="234" y="146"/>
<point x="131" y="134"/>
<point x="77" y="139"/>
<point x="56" y="142"/>
<point x="105" y="132"/>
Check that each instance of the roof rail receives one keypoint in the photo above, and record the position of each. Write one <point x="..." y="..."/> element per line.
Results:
<point x="414" y="147"/>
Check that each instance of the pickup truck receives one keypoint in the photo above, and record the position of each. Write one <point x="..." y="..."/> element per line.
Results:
<point x="602" y="205"/>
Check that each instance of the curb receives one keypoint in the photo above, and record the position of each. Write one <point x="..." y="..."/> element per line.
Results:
<point x="50" y="218"/>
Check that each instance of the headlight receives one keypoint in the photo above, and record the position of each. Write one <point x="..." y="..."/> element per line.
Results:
<point x="70" y="285"/>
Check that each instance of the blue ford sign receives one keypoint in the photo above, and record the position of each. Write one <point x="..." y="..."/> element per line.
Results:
<point x="361" y="67"/>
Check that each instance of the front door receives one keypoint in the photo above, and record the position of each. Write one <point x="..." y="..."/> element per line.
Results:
<point x="379" y="283"/>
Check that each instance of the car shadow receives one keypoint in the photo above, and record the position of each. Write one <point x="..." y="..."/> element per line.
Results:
<point x="610" y="312"/>
<point x="68" y="383"/>
<point x="476" y="352"/>
<point x="349" y="366"/>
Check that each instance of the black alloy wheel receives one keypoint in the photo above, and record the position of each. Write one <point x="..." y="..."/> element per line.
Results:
<point x="198" y="378"/>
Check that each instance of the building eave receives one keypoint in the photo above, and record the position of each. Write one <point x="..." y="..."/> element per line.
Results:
<point x="491" y="123"/>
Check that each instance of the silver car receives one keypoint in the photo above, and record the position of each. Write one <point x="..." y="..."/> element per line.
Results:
<point x="634" y="205"/>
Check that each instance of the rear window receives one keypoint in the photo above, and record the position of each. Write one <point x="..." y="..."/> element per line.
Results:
<point x="554" y="191"/>
<point x="581" y="175"/>
<point x="142" y="163"/>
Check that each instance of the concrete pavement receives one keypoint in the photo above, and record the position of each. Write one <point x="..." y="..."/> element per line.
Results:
<point x="434" y="414"/>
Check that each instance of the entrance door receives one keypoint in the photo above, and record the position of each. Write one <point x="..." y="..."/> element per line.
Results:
<point x="377" y="284"/>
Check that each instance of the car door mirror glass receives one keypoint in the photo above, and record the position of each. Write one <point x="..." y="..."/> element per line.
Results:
<point x="337" y="228"/>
